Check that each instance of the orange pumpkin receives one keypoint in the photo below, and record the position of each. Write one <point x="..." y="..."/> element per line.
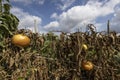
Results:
<point x="20" y="40"/>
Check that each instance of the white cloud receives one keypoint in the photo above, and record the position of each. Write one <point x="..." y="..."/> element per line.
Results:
<point x="115" y="22"/>
<point x="79" y="15"/>
<point x="65" y="4"/>
<point x="52" y="25"/>
<point x="54" y="15"/>
<point x="19" y="12"/>
<point x="26" y="20"/>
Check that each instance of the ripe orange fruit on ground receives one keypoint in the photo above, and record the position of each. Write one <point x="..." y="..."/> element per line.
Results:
<point x="87" y="65"/>
<point x="20" y="40"/>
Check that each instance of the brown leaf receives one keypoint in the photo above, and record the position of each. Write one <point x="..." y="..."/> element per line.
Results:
<point x="17" y="57"/>
<point x="11" y="62"/>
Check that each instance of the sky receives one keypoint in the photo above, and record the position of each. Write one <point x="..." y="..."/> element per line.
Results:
<point x="66" y="15"/>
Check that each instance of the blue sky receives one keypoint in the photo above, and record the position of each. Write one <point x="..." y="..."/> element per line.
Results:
<point x="67" y="15"/>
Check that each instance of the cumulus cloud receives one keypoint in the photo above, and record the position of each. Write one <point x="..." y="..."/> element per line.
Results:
<point x="26" y="20"/>
<point x="88" y="13"/>
<point x="52" y="25"/>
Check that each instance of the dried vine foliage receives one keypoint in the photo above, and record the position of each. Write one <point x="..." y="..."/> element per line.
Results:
<point x="50" y="57"/>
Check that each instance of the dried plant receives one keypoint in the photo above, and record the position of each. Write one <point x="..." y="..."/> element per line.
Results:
<point x="49" y="57"/>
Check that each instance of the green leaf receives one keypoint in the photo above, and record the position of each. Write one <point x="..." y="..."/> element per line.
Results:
<point x="6" y="28"/>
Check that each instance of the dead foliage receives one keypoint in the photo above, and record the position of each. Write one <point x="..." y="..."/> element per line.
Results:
<point x="49" y="57"/>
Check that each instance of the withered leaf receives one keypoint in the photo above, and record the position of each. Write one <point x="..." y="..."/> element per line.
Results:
<point x="11" y="62"/>
<point x="17" y="57"/>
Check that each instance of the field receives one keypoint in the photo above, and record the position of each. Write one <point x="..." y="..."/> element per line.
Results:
<point x="52" y="57"/>
<point x="73" y="56"/>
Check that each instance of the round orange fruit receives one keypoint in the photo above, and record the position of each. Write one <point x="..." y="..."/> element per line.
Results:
<point x="20" y="40"/>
